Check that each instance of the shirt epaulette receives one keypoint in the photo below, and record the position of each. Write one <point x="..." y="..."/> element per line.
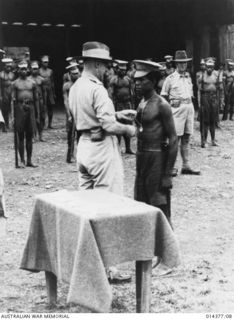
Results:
<point x="96" y="82"/>
<point x="171" y="76"/>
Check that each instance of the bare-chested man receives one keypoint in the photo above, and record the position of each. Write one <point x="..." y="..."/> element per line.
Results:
<point x="199" y="75"/>
<point x="25" y="97"/>
<point x="229" y="90"/>
<point x="41" y="97"/>
<point x="74" y="74"/>
<point x="70" y="61"/>
<point x="169" y="64"/>
<point x="208" y="84"/>
<point x="47" y="74"/>
<point x="120" y="90"/>
<point x="6" y="79"/>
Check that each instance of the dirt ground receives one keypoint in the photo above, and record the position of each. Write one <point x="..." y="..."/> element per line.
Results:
<point x="203" y="218"/>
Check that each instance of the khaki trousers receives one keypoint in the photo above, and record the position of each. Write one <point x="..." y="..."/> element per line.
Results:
<point x="100" y="164"/>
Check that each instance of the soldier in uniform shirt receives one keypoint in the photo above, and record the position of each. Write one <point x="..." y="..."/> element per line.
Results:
<point x="98" y="157"/>
<point x="228" y="78"/>
<point x="178" y="90"/>
<point x="47" y="74"/>
<point x="6" y="79"/>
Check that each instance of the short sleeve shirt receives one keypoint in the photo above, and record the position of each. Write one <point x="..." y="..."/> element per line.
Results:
<point x="177" y="86"/>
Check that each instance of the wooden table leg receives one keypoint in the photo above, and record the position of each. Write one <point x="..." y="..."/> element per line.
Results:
<point x="143" y="285"/>
<point x="51" y="287"/>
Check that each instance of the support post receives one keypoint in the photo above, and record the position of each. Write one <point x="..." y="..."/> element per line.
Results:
<point x="51" y="287"/>
<point x="143" y="286"/>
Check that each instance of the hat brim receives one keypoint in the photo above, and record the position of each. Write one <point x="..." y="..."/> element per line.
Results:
<point x="183" y="60"/>
<point x="140" y="74"/>
<point x="95" y="58"/>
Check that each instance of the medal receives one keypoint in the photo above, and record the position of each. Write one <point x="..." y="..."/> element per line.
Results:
<point x="141" y="109"/>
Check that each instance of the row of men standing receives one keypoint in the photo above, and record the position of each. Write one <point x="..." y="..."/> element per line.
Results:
<point x="215" y="95"/>
<point x="26" y="95"/>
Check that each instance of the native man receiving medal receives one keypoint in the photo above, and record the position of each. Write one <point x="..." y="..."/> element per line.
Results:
<point x="157" y="140"/>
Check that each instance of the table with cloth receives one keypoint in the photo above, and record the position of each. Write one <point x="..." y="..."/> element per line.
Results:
<point x="75" y="235"/>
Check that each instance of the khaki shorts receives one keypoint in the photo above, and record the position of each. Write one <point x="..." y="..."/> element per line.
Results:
<point x="184" y="119"/>
<point x="100" y="164"/>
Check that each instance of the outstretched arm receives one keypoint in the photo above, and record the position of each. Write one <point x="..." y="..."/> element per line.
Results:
<point x="105" y="112"/>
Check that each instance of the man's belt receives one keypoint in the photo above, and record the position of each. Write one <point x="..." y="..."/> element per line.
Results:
<point x="95" y="134"/>
<point x="148" y="146"/>
<point x="175" y="103"/>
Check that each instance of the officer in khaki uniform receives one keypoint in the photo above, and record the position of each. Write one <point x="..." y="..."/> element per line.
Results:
<point x="98" y="155"/>
<point x="178" y="90"/>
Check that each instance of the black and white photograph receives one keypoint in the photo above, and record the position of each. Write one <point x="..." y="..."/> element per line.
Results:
<point x="117" y="158"/>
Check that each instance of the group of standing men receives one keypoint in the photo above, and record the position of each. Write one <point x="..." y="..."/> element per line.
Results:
<point x="102" y="114"/>
<point x="112" y="98"/>
<point x="215" y="95"/>
<point x="26" y="94"/>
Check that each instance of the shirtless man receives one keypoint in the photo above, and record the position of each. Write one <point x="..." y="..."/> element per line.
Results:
<point x="74" y="74"/>
<point x="41" y="97"/>
<point x="26" y="108"/>
<point x="120" y="90"/>
<point x="169" y="64"/>
<point x="199" y="75"/>
<point x="229" y="90"/>
<point x="70" y="61"/>
<point x="6" y="79"/>
<point x="163" y="75"/>
<point x="208" y="84"/>
<point x="47" y="74"/>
